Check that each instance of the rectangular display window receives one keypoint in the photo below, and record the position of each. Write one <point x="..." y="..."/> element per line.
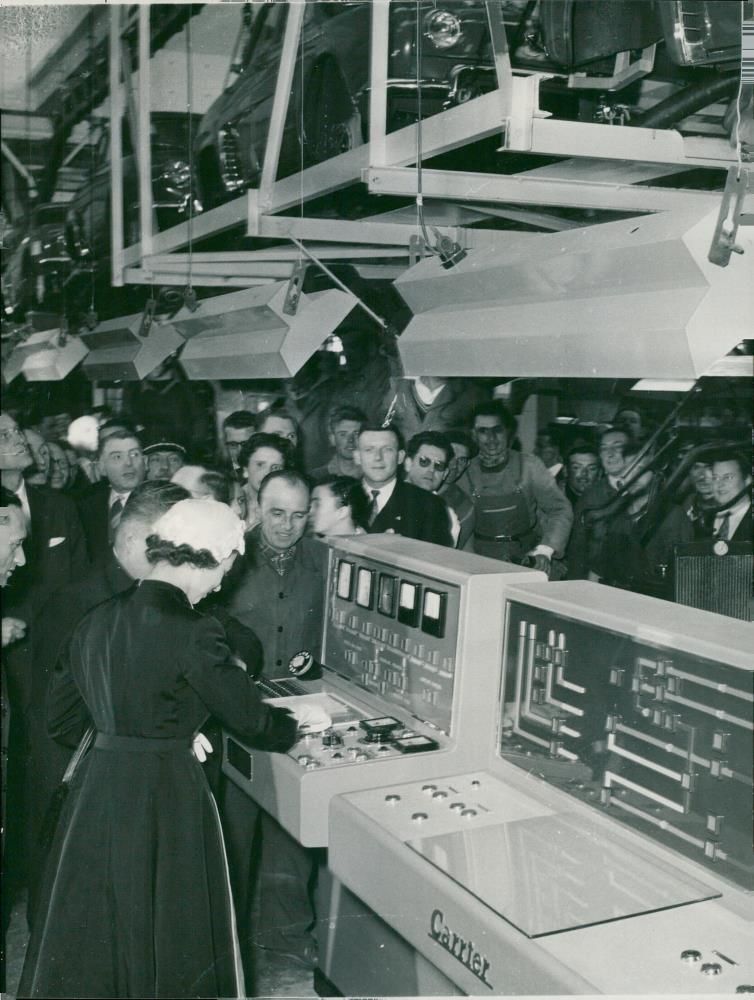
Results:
<point x="433" y="615"/>
<point x="386" y="597"/>
<point x="365" y="588"/>
<point x="409" y="597"/>
<point x="345" y="580"/>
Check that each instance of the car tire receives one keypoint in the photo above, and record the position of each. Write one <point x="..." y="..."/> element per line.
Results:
<point x="332" y="124"/>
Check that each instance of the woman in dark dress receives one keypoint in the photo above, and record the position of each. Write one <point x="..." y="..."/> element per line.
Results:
<point x="136" y="899"/>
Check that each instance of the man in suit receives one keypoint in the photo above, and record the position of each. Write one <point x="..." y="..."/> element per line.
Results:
<point x="55" y="556"/>
<point x="731" y="476"/>
<point x="397" y="506"/>
<point x="121" y="463"/>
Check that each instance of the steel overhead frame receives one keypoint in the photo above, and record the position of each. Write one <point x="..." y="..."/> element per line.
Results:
<point x="387" y="164"/>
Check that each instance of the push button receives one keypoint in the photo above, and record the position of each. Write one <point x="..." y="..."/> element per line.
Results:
<point x="439" y="795"/>
<point x="392" y="798"/>
<point x="419" y="817"/>
<point x="429" y="789"/>
<point x="691" y="955"/>
<point x="468" y="813"/>
<point x="711" y="968"/>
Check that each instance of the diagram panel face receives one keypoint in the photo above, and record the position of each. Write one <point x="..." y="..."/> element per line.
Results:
<point x="658" y="737"/>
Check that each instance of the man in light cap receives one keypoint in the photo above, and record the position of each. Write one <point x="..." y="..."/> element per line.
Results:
<point x="164" y="459"/>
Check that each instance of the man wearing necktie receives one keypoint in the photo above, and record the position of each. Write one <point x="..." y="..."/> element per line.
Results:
<point x="121" y="462"/>
<point x="731" y="478"/>
<point x="397" y="506"/>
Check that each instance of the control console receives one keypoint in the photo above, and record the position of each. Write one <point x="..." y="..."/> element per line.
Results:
<point x="411" y="653"/>
<point x="605" y="846"/>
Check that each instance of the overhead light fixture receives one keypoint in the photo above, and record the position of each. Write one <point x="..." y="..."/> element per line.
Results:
<point x="248" y="335"/>
<point x="662" y="385"/>
<point x="45" y="356"/>
<point x="624" y="299"/>
<point x="128" y="349"/>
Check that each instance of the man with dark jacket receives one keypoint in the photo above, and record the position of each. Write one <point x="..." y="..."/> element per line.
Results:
<point x="279" y="587"/>
<point x="397" y="506"/>
<point x="122" y="465"/>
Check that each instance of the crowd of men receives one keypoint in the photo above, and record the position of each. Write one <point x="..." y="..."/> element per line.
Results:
<point x="78" y="502"/>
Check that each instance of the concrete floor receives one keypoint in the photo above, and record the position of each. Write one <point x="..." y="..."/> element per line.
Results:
<point x="275" y="975"/>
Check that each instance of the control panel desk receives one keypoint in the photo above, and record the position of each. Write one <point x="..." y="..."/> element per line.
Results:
<point x="411" y="649"/>
<point x="606" y="847"/>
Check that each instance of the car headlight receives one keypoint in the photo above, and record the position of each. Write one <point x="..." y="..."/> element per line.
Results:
<point x="443" y="28"/>
<point x="177" y="174"/>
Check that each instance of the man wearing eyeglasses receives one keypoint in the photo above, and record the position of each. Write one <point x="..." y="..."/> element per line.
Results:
<point x="426" y="465"/>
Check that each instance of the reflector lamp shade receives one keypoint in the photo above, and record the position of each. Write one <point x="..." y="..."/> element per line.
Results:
<point x="45" y="356"/>
<point x="118" y="351"/>
<point x="246" y="334"/>
<point x="629" y="299"/>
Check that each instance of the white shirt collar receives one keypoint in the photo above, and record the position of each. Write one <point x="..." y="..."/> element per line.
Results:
<point x="23" y="496"/>
<point x="114" y="495"/>
<point x="383" y="492"/>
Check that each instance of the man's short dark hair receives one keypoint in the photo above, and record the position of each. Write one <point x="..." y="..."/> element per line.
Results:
<point x="289" y="476"/>
<point x="264" y="440"/>
<point x="276" y="411"/>
<point x="378" y="428"/>
<point x="496" y="409"/>
<point x="612" y="430"/>
<point x="457" y="435"/>
<point x="218" y="484"/>
<point x="240" y="420"/>
<point x="123" y="435"/>
<point x="582" y="448"/>
<point x="350" y="493"/>
<point x="151" y="500"/>
<point x="341" y="413"/>
<point x="434" y="438"/>
<point x="730" y="454"/>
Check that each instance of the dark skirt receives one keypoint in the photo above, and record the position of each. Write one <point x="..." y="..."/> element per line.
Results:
<point x="136" y="899"/>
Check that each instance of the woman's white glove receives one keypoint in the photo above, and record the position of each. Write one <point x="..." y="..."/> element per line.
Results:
<point x="310" y="717"/>
<point x="201" y="747"/>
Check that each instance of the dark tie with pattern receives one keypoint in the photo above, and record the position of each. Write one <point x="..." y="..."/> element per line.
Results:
<point x="724" y="529"/>
<point x="373" y="512"/>
<point x="116" y="509"/>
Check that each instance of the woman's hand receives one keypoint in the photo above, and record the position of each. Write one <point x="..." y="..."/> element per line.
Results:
<point x="13" y="630"/>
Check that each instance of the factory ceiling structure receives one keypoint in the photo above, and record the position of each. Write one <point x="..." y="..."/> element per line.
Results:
<point x="592" y="249"/>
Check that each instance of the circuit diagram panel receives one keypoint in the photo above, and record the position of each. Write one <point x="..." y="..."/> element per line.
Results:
<point x="659" y="737"/>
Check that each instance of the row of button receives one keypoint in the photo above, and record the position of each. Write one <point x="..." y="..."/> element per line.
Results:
<point x="439" y="795"/>
<point x="392" y="639"/>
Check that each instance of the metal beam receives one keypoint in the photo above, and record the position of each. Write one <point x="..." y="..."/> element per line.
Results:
<point x="520" y="189"/>
<point x="552" y="137"/>
<point x="117" y="101"/>
<point x="379" y="57"/>
<point x="279" y="113"/>
<point x="361" y="231"/>
<point x="144" y="144"/>
<point x="18" y="166"/>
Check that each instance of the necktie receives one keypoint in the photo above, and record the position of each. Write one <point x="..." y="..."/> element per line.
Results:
<point x="116" y="509"/>
<point x="722" y="531"/>
<point x="373" y="506"/>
